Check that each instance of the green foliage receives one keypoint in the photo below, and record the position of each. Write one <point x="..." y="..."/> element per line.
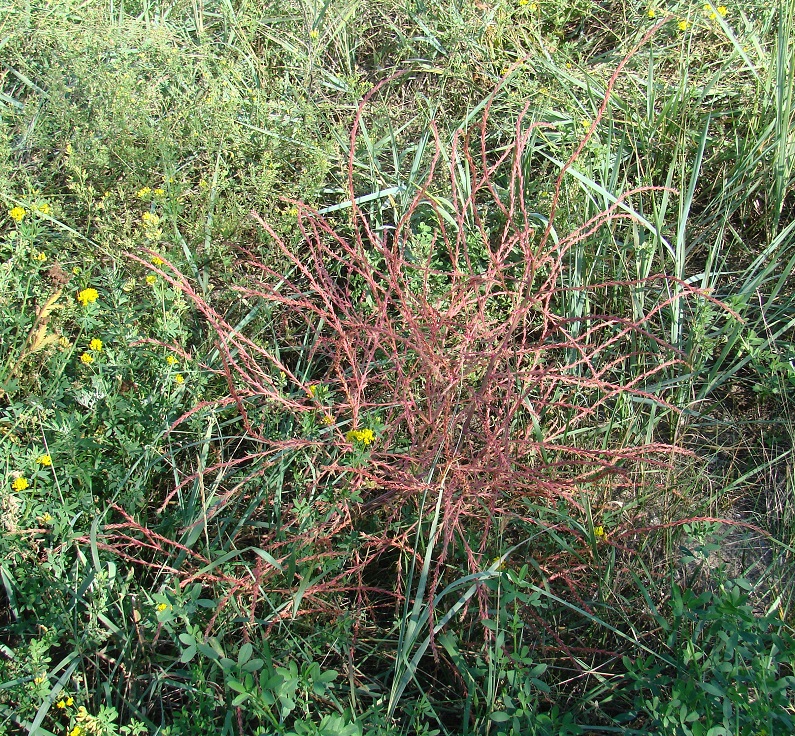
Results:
<point x="151" y="579"/>
<point x="733" y="668"/>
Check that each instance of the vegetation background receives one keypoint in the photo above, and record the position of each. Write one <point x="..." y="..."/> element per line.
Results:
<point x="395" y="367"/>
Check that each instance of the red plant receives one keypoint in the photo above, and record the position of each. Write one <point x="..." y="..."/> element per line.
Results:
<point x="464" y="358"/>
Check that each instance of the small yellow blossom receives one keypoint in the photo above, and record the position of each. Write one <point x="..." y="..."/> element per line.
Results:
<point x="157" y="261"/>
<point x="159" y="192"/>
<point x="522" y="3"/>
<point x="76" y="270"/>
<point x="86" y="358"/>
<point x="70" y="700"/>
<point x="45" y="460"/>
<point x="162" y="607"/>
<point x="40" y="256"/>
<point x="364" y="436"/>
<point x="45" y="519"/>
<point x="651" y="12"/>
<point x="17" y="214"/>
<point x="63" y="341"/>
<point x="722" y="10"/>
<point x="151" y="279"/>
<point x="150" y="220"/>
<point x="533" y="7"/>
<point x="171" y="360"/>
<point x="68" y="149"/>
<point x="314" y="35"/>
<point x="599" y="532"/>
<point x="311" y="391"/>
<point x="61" y="704"/>
<point x="143" y="193"/>
<point x="203" y="184"/>
<point x="76" y="731"/>
<point x="327" y="419"/>
<point x="38" y="679"/>
<point x="684" y="25"/>
<point x="95" y="345"/>
<point x="20" y="484"/>
<point x="87" y="296"/>
<point x="586" y="124"/>
<point x="44" y="208"/>
<point x="179" y="378"/>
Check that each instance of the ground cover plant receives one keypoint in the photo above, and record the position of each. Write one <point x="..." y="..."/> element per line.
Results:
<point x="375" y="367"/>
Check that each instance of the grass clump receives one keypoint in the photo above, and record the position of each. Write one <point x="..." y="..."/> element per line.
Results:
<point x="372" y="368"/>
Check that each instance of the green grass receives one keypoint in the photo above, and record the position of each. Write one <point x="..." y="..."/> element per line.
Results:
<point x="193" y="540"/>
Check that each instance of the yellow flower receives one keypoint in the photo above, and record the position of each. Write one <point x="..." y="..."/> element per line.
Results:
<point x="151" y="279"/>
<point x="150" y="220"/>
<point x="203" y="184"/>
<point x="63" y="341"/>
<point x="17" y="214"/>
<point x="171" y="360"/>
<point x="533" y="7"/>
<point x="599" y="532"/>
<point x="652" y="13"/>
<point x="162" y="607"/>
<point x="86" y="358"/>
<point x="40" y="256"/>
<point x="76" y="731"/>
<point x="179" y="378"/>
<point x="44" y="519"/>
<point x="68" y="149"/>
<point x="76" y="270"/>
<point x="314" y="35"/>
<point x="95" y="345"/>
<point x="45" y="460"/>
<point x="364" y="436"/>
<point x="20" y="484"/>
<point x="70" y="700"/>
<point x="722" y="11"/>
<point x="327" y="419"/>
<point x="38" y="679"/>
<point x="157" y="261"/>
<point x="159" y="192"/>
<point x="143" y="193"/>
<point x="87" y="296"/>
<point x="44" y="208"/>
<point x="61" y="704"/>
<point x="522" y="3"/>
<point x="684" y="25"/>
<point x="586" y="124"/>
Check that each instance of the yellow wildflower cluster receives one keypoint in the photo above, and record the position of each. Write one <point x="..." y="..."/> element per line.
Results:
<point x="87" y="296"/>
<point x="143" y="193"/>
<point x="171" y="360"/>
<point x="162" y="607"/>
<point x="17" y="214"/>
<point x="151" y="279"/>
<point x="713" y="12"/>
<point x="86" y="358"/>
<point x="179" y="378"/>
<point x="599" y="532"/>
<point x="363" y="436"/>
<point x="45" y="460"/>
<point x="65" y="703"/>
<point x="156" y="261"/>
<point x="684" y="25"/>
<point x="20" y="484"/>
<point x="95" y="345"/>
<point x="43" y="208"/>
<point x="40" y="256"/>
